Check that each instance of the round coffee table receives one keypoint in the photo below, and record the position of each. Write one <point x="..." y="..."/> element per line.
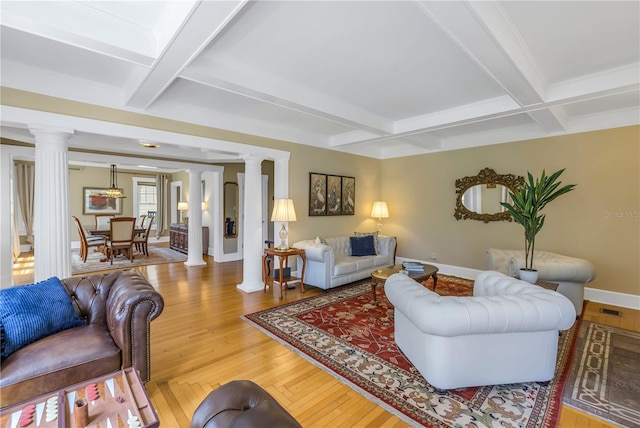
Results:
<point x="381" y="275"/>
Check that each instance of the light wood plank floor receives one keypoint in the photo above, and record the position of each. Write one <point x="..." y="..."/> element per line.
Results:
<point x="199" y="342"/>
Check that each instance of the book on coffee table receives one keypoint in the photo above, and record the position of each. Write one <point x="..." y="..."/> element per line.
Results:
<point x="413" y="266"/>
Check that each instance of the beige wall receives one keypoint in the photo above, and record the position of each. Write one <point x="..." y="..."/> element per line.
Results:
<point x="598" y="221"/>
<point x="421" y="194"/>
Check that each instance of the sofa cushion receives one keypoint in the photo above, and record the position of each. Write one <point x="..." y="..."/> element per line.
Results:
<point x="31" y="312"/>
<point x="64" y="358"/>
<point x="375" y="239"/>
<point x="344" y="265"/>
<point x="362" y="245"/>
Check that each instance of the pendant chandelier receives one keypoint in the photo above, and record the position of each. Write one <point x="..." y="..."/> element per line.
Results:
<point x="114" y="191"/>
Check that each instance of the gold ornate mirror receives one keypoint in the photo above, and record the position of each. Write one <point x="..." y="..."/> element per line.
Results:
<point x="478" y="197"/>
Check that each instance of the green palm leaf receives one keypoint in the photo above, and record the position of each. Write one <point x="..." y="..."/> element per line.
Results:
<point x="528" y="201"/>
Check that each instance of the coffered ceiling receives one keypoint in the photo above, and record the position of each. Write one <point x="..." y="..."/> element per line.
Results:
<point x="376" y="78"/>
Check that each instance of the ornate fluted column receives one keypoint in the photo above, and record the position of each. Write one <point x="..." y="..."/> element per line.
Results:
<point x="194" y="257"/>
<point x="51" y="219"/>
<point x="252" y="226"/>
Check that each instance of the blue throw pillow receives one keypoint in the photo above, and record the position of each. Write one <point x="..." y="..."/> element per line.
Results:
<point x="362" y="246"/>
<point x="31" y="312"/>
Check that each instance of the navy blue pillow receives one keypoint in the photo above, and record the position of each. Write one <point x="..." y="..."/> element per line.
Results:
<point x="31" y="312"/>
<point x="362" y="246"/>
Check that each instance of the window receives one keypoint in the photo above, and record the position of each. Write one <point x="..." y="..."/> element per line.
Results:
<point x="145" y="198"/>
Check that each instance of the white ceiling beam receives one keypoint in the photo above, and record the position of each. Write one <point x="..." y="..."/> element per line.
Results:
<point x="459" y="114"/>
<point x="281" y="93"/>
<point x="205" y="22"/>
<point x="553" y="119"/>
<point x="348" y="138"/>
<point x="423" y="140"/>
<point x="486" y="34"/>
<point x="616" y="80"/>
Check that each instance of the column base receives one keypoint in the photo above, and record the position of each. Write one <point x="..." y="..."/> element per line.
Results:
<point x="195" y="262"/>
<point x="250" y="288"/>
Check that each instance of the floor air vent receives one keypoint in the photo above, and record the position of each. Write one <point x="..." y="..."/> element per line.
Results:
<point x="610" y="312"/>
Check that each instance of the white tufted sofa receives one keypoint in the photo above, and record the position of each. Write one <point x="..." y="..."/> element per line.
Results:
<point x="507" y="332"/>
<point x="331" y="264"/>
<point x="570" y="273"/>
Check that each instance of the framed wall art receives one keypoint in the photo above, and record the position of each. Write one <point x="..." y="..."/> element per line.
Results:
<point x="96" y="201"/>
<point x="334" y="195"/>
<point x="317" y="194"/>
<point x="348" y="195"/>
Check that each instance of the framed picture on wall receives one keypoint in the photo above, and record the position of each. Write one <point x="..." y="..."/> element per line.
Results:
<point x="334" y="195"/>
<point x="96" y="201"/>
<point x="317" y="194"/>
<point x="348" y="195"/>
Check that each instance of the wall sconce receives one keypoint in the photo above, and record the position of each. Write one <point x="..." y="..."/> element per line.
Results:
<point x="205" y="206"/>
<point x="380" y="211"/>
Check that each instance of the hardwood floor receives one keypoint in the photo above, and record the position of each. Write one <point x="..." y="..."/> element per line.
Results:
<point x="200" y="342"/>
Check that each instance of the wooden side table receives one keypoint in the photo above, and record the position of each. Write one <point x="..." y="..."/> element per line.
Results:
<point x="283" y="259"/>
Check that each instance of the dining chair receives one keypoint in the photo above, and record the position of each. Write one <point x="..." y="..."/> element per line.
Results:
<point x="87" y="241"/>
<point x="142" y="242"/>
<point x="122" y="230"/>
<point x="141" y="221"/>
<point x="269" y="257"/>
<point x="102" y="220"/>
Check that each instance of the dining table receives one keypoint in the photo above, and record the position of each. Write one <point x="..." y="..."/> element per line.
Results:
<point x="93" y="230"/>
<point x="106" y="232"/>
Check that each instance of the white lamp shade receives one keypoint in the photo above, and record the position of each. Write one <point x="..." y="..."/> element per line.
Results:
<point x="380" y="210"/>
<point x="183" y="206"/>
<point x="283" y="210"/>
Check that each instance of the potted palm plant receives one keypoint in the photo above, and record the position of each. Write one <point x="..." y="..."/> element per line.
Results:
<point x="528" y="201"/>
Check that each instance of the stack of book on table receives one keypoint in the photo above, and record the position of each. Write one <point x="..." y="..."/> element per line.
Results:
<point x="413" y="267"/>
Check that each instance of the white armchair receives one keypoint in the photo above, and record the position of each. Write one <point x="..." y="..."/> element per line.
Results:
<point x="570" y="273"/>
<point x="507" y="332"/>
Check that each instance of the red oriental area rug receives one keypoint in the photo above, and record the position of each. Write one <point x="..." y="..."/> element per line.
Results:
<point x="343" y="332"/>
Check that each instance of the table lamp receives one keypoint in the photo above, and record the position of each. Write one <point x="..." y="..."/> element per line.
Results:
<point x="380" y="211"/>
<point x="182" y="207"/>
<point x="283" y="211"/>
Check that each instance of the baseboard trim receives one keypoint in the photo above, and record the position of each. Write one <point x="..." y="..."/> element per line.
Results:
<point x="614" y="298"/>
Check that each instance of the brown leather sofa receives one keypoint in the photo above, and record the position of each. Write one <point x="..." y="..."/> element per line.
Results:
<point x="241" y="403"/>
<point x="118" y="308"/>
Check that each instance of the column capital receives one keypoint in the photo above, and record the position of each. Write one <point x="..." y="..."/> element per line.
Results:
<point x="51" y="138"/>
<point x="248" y="158"/>
<point x="44" y="130"/>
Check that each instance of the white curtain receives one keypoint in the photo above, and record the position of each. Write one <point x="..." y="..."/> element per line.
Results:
<point x="161" y="198"/>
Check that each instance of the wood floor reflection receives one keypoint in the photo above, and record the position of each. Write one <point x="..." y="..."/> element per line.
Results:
<point x="199" y="342"/>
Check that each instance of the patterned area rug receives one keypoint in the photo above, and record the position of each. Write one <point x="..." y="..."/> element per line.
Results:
<point x="157" y="255"/>
<point x="342" y="332"/>
<point x="605" y="379"/>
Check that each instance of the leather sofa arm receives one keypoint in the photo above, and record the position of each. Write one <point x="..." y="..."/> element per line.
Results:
<point x="131" y="306"/>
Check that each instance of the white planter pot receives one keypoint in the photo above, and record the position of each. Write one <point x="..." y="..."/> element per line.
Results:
<point x="531" y="276"/>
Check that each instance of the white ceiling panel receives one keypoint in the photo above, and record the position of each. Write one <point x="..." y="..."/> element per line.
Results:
<point x="228" y="103"/>
<point x="384" y="57"/>
<point x="574" y="38"/>
<point x="374" y="78"/>
<point x="51" y="56"/>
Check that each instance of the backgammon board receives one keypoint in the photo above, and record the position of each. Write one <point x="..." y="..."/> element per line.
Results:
<point x="116" y="400"/>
